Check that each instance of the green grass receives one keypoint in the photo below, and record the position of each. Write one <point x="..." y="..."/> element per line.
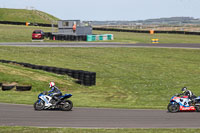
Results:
<point x="71" y="130"/>
<point x="23" y="15"/>
<point x="14" y="33"/>
<point x="126" y="77"/>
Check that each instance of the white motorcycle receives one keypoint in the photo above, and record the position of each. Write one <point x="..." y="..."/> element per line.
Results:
<point x="45" y="101"/>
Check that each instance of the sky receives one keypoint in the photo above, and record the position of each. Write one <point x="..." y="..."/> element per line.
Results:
<point x="109" y="10"/>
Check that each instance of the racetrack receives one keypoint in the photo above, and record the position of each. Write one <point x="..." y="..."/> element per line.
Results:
<point x="99" y="44"/>
<point x="25" y="115"/>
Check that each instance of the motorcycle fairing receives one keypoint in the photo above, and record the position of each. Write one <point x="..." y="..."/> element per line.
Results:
<point x="183" y="102"/>
<point x="66" y="96"/>
<point x="190" y="108"/>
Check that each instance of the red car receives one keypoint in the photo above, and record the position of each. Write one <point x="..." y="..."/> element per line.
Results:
<point x="38" y="34"/>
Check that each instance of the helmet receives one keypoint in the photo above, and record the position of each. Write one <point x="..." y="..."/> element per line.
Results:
<point x="51" y="84"/>
<point x="184" y="89"/>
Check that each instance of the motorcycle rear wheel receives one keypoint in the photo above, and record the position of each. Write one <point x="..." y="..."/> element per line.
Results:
<point x="173" y="108"/>
<point x="39" y="105"/>
<point x="67" y="106"/>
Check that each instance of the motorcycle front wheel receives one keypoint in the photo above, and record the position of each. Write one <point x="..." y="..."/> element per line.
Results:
<point x="67" y="106"/>
<point x="173" y="108"/>
<point x="39" y="105"/>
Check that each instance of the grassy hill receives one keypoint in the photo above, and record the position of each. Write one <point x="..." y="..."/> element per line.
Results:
<point x="23" y="15"/>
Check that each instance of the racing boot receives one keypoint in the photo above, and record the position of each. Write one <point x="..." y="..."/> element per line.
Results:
<point x="57" y="100"/>
<point x="193" y="101"/>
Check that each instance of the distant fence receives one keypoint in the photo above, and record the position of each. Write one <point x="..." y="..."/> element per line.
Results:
<point x="147" y="31"/>
<point x="104" y="29"/>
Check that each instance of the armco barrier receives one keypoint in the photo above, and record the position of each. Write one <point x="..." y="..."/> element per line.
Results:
<point x="12" y="23"/>
<point x="85" y="77"/>
<point x="24" y="23"/>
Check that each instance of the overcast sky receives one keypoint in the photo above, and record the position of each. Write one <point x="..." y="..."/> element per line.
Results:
<point x="110" y="9"/>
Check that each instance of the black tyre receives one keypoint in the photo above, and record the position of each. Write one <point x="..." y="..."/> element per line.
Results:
<point x="39" y="105"/>
<point x="33" y="66"/>
<point x="62" y="71"/>
<point x="67" y="106"/>
<point x="70" y="73"/>
<point x="173" y="108"/>
<point x="56" y="70"/>
<point x="197" y="107"/>
<point x="51" y="69"/>
<point x="7" y="87"/>
<point x="40" y="67"/>
<point x="26" y="65"/>
<point x="87" y="82"/>
<point x="44" y="68"/>
<point x="23" y="88"/>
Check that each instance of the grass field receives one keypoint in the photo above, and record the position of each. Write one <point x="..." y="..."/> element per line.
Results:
<point x="70" y="130"/>
<point x="13" y="33"/>
<point x="126" y="77"/>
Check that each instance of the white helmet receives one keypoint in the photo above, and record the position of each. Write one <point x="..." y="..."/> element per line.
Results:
<point x="51" y="84"/>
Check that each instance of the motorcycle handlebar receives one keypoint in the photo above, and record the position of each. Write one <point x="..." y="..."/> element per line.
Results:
<point x="44" y="92"/>
<point x="177" y="95"/>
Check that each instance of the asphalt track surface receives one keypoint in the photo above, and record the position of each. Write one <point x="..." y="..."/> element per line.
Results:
<point x="25" y="115"/>
<point x="99" y="44"/>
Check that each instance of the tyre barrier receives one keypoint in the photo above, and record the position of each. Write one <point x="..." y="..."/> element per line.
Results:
<point x="89" y="78"/>
<point x="23" y="88"/>
<point x="27" y="65"/>
<point x="76" y="74"/>
<point x="70" y="73"/>
<point x="33" y="66"/>
<point x="44" y="68"/>
<point x="52" y="69"/>
<point x="84" y="77"/>
<point x="7" y="87"/>
<point x="40" y="67"/>
<point x="5" y="61"/>
<point x="18" y="88"/>
<point x="66" y="37"/>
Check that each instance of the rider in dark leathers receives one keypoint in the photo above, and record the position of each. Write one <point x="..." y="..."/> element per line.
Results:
<point x="54" y="92"/>
<point x="188" y="93"/>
